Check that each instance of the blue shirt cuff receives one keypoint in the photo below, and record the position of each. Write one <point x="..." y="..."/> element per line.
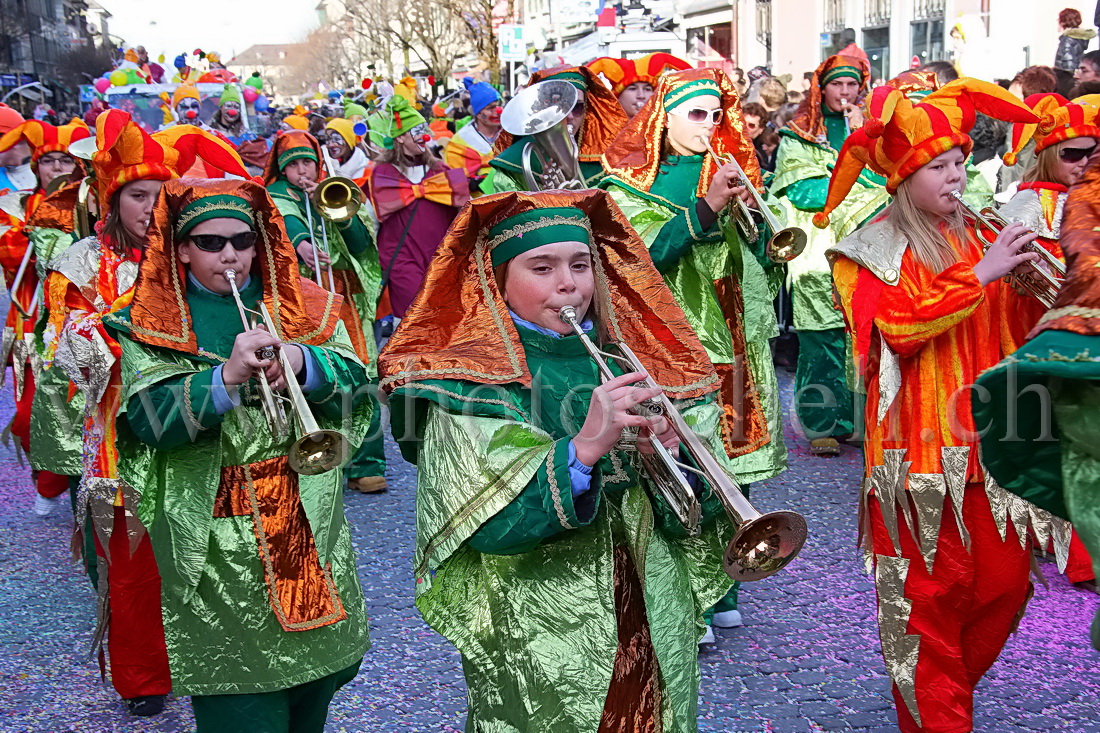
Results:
<point x="224" y="400"/>
<point x="580" y="475"/>
<point x="314" y="376"/>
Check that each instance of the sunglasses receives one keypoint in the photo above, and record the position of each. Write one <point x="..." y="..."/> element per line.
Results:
<point x="216" y="242"/>
<point x="698" y="115"/>
<point x="1075" y="155"/>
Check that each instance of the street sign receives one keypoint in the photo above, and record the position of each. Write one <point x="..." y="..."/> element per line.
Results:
<point x="513" y="45"/>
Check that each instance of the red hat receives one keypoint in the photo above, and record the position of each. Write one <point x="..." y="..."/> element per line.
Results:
<point x="44" y="137"/>
<point x="9" y="118"/>
<point x="624" y="72"/>
<point x="1059" y="120"/>
<point x="900" y="136"/>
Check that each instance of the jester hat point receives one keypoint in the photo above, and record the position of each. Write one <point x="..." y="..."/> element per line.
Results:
<point x="900" y="136"/>
<point x="1059" y="120"/>
<point x="647" y="69"/>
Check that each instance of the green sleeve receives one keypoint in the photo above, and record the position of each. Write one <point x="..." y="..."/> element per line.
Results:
<point x="344" y="382"/>
<point x="545" y="507"/>
<point x="174" y="411"/>
<point x="809" y="194"/>
<point x="293" y="219"/>
<point x="356" y="237"/>
<point x="676" y="238"/>
<point x="499" y="181"/>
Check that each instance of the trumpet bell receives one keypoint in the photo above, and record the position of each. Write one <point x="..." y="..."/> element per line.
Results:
<point x="763" y="546"/>
<point x="318" y="452"/>
<point x="786" y="244"/>
<point x="58" y="183"/>
<point x="337" y="198"/>
<point x="85" y="148"/>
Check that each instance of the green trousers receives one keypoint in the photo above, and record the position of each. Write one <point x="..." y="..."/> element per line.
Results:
<point x="300" y="709"/>
<point x="822" y="400"/>
<point x="370" y="459"/>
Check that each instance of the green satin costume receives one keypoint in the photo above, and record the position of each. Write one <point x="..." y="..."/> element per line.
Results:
<point x="57" y="422"/>
<point x="222" y="633"/>
<point x="518" y="574"/>
<point x="691" y="258"/>
<point x="506" y="172"/>
<point x="352" y="248"/>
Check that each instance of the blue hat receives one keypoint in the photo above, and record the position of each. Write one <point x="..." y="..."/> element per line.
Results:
<point x="481" y="94"/>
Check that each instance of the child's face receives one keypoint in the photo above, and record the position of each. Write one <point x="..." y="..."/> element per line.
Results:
<point x="209" y="267"/>
<point x="538" y="283"/>
<point x="931" y="186"/>
<point x="300" y="170"/>
<point x="135" y="206"/>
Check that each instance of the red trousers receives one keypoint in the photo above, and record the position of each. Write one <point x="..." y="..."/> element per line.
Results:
<point x="1079" y="567"/>
<point x="135" y="638"/>
<point x="963" y="611"/>
<point x="48" y="484"/>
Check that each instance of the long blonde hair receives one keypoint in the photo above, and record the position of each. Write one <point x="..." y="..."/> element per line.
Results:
<point x="1043" y="168"/>
<point x="922" y="229"/>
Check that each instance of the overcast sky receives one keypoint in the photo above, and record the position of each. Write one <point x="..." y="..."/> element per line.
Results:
<point x="225" y="26"/>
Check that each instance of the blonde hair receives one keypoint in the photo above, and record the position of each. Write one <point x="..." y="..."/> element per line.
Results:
<point x="922" y="229"/>
<point x="1042" y="169"/>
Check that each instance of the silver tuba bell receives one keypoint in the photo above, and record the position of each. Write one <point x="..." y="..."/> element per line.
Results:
<point x="539" y="112"/>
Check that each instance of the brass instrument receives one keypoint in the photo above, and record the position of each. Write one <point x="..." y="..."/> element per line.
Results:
<point x="785" y="244"/>
<point x="764" y="543"/>
<point x="317" y="451"/>
<point x="1041" y="283"/>
<point x="337" y="199"/>
<point x="539" y="112"/>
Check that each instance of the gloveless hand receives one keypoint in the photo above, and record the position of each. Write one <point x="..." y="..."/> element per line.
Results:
<point x="610" y="411"/>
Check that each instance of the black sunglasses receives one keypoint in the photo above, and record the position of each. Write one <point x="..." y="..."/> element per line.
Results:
<point x="1075" y="155"/>
<point x="216" y="242"/>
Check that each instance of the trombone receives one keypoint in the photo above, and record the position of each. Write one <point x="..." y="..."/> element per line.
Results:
<point x="1041" y="283"/>
<point x="764" y="543"/>
<point x="785" y="244"/>
<point x="337" y="199"/>
<point x="317" y="451"/>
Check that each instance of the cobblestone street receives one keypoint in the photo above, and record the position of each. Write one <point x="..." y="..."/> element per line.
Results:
<point x="806" y="660"/>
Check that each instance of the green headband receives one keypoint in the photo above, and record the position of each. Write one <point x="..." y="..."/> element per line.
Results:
<point x="839" y="72"/>
<point x="524" y="232"/>
<point x="691" y="90"/>
<point x="219" y="206"/>
<point x="299" y="153"/>
<point x="573" y="77"/>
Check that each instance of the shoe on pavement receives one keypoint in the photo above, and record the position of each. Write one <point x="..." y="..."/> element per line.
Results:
<point x="147" y="705"/>
<point x="708" y="638"/>
<point x="824" y="447"/>
<point x="44" y="505"/>
<point x="368" y="484"/>
<point x="727" y="619"/>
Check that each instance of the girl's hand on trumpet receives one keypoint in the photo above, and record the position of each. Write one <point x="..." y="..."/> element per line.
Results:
<point x="305" y="251"/>
<point x="610" y="411"/>
<point x="725" y="185"/>
<point x="1004" y="255"/>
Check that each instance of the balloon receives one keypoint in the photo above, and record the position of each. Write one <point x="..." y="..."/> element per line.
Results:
<point x="160" y="59"/>
<point x="261" y="104"/>
<point x="318" y="95"/>
<point x="255" y="81"/>
<point x="133" y="76"/>
<point x="118" y="77"/>
<point x="360" y="129"/>
<point x="431" y="81"/>
<point x="102" y="84"/>
<point x="334" y="94"/>
<point x="250" y="95"/>
<point x="367" y="83"/>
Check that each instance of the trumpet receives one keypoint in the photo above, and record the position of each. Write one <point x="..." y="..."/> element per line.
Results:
<point x="764" y="543"/>
<point x="539" y="112"/>
<point x="317" y="451"/>
<point x="1040" y="282"/>
<point x="785" y="244"/>
<point x="337" y="199"/>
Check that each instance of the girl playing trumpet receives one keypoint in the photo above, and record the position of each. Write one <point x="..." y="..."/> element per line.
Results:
<point x="928" y="312"/>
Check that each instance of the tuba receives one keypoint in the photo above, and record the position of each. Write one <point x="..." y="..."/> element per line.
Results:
<point x="785" y="244"/>
<point x="539" y="112"/>
<point x="1034" y="279"/>
<point x="317" y="451"/>
<point x="764" y="543"/>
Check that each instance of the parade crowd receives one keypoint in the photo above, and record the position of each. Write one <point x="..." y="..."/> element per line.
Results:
<point x="572" y="303"/>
